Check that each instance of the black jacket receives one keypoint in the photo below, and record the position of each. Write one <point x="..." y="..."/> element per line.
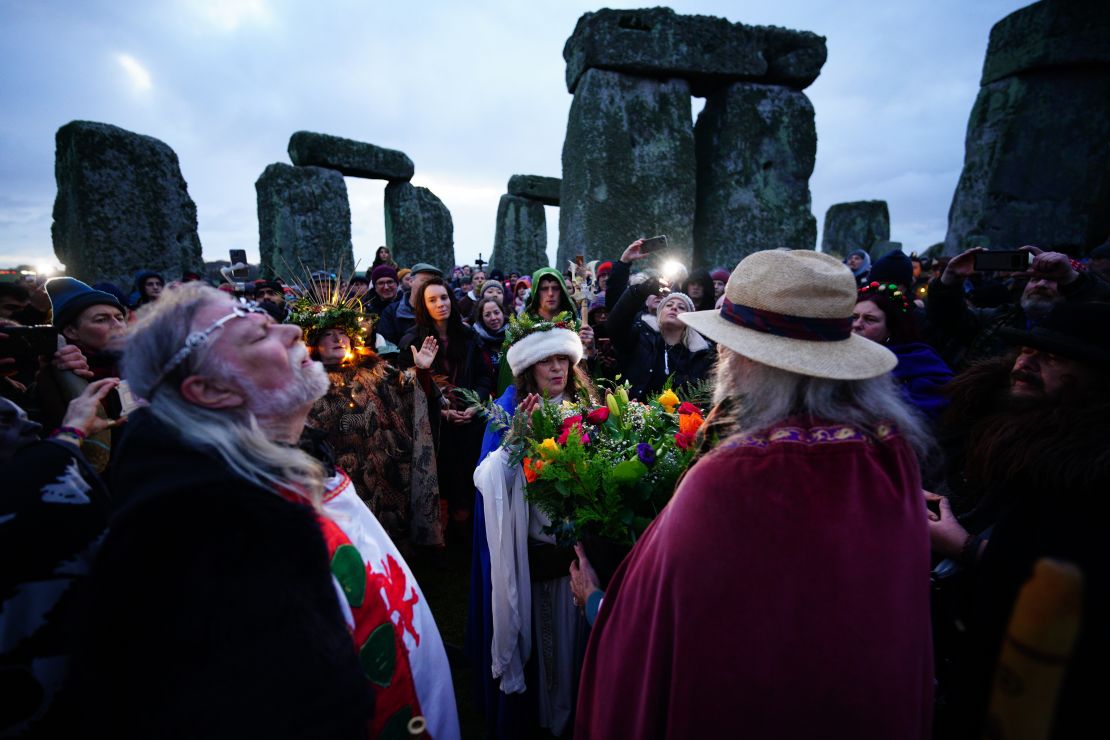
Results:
<point x="644" y="358"/>
<point x="213" y="611"/>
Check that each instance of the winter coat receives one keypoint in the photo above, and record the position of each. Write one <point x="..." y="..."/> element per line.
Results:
<point x="228" y="582"/>
<point x="644" y="358"/>
<point x="396" y="320"/>
<point x="922" y="375"/>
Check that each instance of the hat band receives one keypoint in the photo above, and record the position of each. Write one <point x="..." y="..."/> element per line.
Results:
<point x="785" y="325"/>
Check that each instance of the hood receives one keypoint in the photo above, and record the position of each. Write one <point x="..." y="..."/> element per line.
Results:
<point x="543" y="272"/>
<point x="865" y="266"/>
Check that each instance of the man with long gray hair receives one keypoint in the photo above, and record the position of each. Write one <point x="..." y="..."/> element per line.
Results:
<point x="213" y="610"/>
<point x="784" y="591"/>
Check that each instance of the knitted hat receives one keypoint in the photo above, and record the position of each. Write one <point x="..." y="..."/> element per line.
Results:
<point x="893" y="267"/>
<point x="675" y="296"/>
<point x="382" y="271"/>
<point x="273" y="285"/>
<point x="69" y="297"/>
<point x="358" y="279"/>
<point x="112" y="289"/>
<point x="720" y="274"/>
<point x="531" y="340"/>
<point x="402" y="272"/>
<point x="604" y="268"/>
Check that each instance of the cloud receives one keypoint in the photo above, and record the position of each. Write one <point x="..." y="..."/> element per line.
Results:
<point x="230" y="15"/>
<point x="136" y="72"/>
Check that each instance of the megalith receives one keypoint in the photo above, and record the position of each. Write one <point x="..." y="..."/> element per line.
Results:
<point x="756" y="147"/>
<point x="418" y="227"/>
<point x="520" y="239"/>
<point x="122" y="205"/>
<point x="304" y="218"/>
<point x="352" y="158"/>
<point x="631" y="166"/>
<point x="704" y="50"/>
<point x="536" y="187"/>
<point x="628" y="166"/>
<point x="1037" y="154"/>
<point x="860" y="224"/>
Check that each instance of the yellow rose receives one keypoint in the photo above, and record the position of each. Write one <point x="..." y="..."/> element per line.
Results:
<point x="668" y="400"/>
<point x="549" y="448"/>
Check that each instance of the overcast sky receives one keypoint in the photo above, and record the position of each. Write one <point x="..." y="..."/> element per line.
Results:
<point x="472" y="91"/>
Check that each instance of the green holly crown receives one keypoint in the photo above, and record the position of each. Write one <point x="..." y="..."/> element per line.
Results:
<point x="525" y="325"/>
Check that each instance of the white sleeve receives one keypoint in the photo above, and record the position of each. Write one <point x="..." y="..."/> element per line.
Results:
<point x="496" y="479"/>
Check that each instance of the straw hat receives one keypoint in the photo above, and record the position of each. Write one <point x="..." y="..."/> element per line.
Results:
<point x="792" y="309"/>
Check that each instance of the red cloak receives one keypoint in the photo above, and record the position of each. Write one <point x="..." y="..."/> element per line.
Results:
<point x="784" y="592"/>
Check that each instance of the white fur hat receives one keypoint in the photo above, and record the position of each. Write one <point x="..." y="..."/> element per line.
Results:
<point x="541" y="344"/>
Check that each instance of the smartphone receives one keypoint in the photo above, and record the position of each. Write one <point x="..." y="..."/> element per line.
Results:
<point x="127" y="400"/>
<point x="239" y="257"/>
<point x="28" y="341"/>
<point x="654" y="244"/>
<point x="1000" y="261"/>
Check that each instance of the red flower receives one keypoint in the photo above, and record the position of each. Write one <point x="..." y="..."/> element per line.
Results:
<point x="576" y="429"/>
<point x="688" y="408"/>
<point x="571" y="421"/>
<point x="683" y="440"/>
<point x="598" y="415"/>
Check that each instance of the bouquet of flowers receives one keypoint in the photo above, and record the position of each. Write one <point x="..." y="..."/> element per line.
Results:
<point x="604" y="471"/>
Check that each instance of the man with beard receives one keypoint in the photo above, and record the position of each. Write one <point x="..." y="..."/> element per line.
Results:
<point x="1030" y="482"/>
<point x="968" y="335"/>
<point x="213" y="612"/>
<point x="271" y="296"/>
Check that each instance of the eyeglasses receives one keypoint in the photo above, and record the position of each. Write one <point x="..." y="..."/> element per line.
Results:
<point x="198" y="339"/>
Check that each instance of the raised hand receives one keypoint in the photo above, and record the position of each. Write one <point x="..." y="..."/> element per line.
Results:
<point x="71" y="358"/>
<point x="427" y="354"/>
<point x="632" y="252"/>
<point x="960" y="267"/>
<point x="82" y="411"/>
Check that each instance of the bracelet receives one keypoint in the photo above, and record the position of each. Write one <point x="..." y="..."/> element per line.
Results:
<point x="74" y="431"/>
<point x="969" y="553"/>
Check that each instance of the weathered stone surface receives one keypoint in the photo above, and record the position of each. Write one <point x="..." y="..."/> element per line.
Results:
<point x="535" y="187"/>
<point x="520" y="241"/>
<point x="418" y="227"/>
<point x="303" y="218"/>
<point x="1052" y="33"/>
<point x="352" y="158"/>
<point x="628" y="166"/>
<point x="756" y="146"/>
<point x="1036" y="164"/>
<point x="858" y="225"/>
<point x="704" y="50"/>
<point x="882" y="248"/>
<point x="122" y="205"/>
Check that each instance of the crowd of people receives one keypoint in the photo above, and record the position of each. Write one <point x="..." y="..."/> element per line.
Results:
<point x="212" y="495"/>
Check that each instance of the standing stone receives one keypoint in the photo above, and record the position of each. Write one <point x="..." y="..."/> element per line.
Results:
<point x="520" y="242"/>
<point x="1037" y="155"/>
<point x="628" y="166"/>
<point x="756" y="146"/>
<point x="122" y="206"/>
<point x="543" y="189"/>
<point x="418" y="227"/>
<point x="352" y="158"/>
<point x="303" y="218"/>
<point x="858" y="225"/>
<point x="704" y="50"/>
<point x="882" y="248"/>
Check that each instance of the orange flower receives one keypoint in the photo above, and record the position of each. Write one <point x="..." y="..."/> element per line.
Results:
<point x="532" y="469"/>
<point x="690" y="423"/>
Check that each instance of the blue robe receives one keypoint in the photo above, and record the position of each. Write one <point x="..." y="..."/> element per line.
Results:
<point x="507" y="715"/>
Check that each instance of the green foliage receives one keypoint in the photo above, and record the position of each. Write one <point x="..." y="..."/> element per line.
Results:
<point x="610" y="476"/>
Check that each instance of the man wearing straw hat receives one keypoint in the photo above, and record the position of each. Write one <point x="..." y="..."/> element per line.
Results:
<point x="784" y="591"/>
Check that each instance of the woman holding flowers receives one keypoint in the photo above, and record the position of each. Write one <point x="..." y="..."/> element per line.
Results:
<point x="519" y="578"/>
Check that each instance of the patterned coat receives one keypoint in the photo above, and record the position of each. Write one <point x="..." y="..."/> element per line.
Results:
<point x="376" y="420"/>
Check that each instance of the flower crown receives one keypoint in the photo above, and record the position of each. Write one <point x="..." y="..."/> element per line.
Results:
<point x="889" y="290"/>
<point x="316" y="318"/>
<point x="526" y="324"/>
